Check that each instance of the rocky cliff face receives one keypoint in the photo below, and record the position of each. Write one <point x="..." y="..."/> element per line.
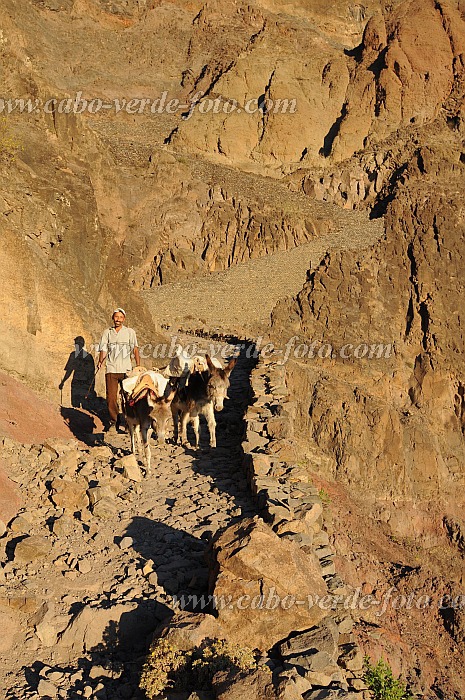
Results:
<point x="106" y="202"/>
<point x="394" y="423"/>
<point x="100" y="204"/>
<point x="407" y="73"/>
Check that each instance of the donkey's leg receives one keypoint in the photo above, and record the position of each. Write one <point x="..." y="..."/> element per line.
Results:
<point x="185" y="417"/>
<point x="132" y="431"/>
<point x="139" y="441"/>
<point x="175" y="414"/>
<point x="195" y="425"/>
<point x="146" y="430"/>
<point x="210" y="416"/>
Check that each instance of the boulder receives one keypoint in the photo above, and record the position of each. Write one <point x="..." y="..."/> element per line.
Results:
<point x="60" y="446"/>
<point x="20" y="524"/>
<point x="95" y="628"/>
<point x="312" y="513"/>
<point x="64" y="526"/>
<point x="46" y="689"/>
<point x="317" y="662"/>
<point x="47" y="633"/>
<point x="32" y="548"/>
<point x="68" y="462"/>
<point x="261" y="464"/>
<point x="254" y="685"/>
<point x="10" y="626"/>
<point x="127" y="461"/>
<point x="98" y="492"/>
<point x="69" y="495"/>
<point x="262" y="585"/>
<point x="289" y="527"/>
<point x="105" y="508"/>
<point x="323" y="638"/>
<point x="254" y="441"/>
<point x="292" y="685"/>
<point x="102" y="453"/>
<point x="278" y="428"/>
<point x="129" y="467"/>
<point x="187" y="630"/>
<point x="84" y="566"/>
<point x="132" y="472"/>
<point x="351" y="657"/>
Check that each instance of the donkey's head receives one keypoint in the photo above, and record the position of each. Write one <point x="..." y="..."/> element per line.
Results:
<point x="160" y="411"/>
<point x="218" y="382"/>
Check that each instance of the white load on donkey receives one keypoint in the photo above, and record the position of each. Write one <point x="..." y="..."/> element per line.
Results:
<point x="149" y="397"/>
<point x="183" y="365"/>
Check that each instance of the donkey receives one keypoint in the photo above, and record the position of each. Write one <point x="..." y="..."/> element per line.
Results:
<point x="204" y="394"/>
<point x="148" y="414"/>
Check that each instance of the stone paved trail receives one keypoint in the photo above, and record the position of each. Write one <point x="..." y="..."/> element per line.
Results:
<point x="169" y="518"/>
<point x="242" y="297"/>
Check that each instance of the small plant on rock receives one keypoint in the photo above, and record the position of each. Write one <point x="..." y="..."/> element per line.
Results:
<point x="163" y="660"/>
<point x="218" y="655"/>
<point x="381" y="681"/>
<point x="170" y="668"/>
<point x="324" y="497"/>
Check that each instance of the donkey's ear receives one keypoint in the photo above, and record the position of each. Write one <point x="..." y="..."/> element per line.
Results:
<point x="210" y="364"/>
<point x="230" y="366"/>
<point x="168" y="398"/>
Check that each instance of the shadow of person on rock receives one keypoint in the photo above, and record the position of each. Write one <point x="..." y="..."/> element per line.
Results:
<point x="81" y="424"/>
<point x="81" y="367"/>
<point x="85" y="404"/>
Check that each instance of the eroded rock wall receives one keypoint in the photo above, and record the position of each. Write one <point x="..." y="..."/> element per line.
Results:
<point x="394" y="423"/>
<point x="89" y="214"/>
<point x="406" y="77"/>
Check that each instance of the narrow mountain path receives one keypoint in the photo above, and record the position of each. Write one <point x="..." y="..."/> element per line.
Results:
<point x="242" y="297"/>
<point x="130" y="555"/>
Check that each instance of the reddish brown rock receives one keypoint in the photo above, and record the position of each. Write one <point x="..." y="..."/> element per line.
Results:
<point x="69" y="495"/>
<point x="262" y="585"/>
<point x="186" y="630"/>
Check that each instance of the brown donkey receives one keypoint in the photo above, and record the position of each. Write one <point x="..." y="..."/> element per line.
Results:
<point x="203" y="395"/>
<point x="146" y="415"/>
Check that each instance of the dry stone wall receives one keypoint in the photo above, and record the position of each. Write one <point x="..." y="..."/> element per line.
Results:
<point x="326" y="656"/>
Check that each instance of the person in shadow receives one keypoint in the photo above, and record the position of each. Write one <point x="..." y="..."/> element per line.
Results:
<point x="81" y="366"/>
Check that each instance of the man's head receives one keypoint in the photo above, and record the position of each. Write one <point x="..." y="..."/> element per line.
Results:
<point x="118" y="317"/>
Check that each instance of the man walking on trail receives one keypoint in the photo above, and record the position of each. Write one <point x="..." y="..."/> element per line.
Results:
<point x="116" y="346"/>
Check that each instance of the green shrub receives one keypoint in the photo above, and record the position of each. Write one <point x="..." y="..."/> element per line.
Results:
<point x="380" y="680"/>
<point x="163" y="659"/>
<point x="170" y="668"/>
<point x="324" y="497"/>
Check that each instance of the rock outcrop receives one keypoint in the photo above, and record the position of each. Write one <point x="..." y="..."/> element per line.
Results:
<point x="257" y="572"/>
<point x="392" y="421"/>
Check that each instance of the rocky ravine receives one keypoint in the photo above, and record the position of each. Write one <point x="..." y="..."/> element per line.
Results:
<point x="98" y="548"/>
<point x="158" y="198"/>
<point x="95" y="205"/>
<point x="99" y="553"/>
